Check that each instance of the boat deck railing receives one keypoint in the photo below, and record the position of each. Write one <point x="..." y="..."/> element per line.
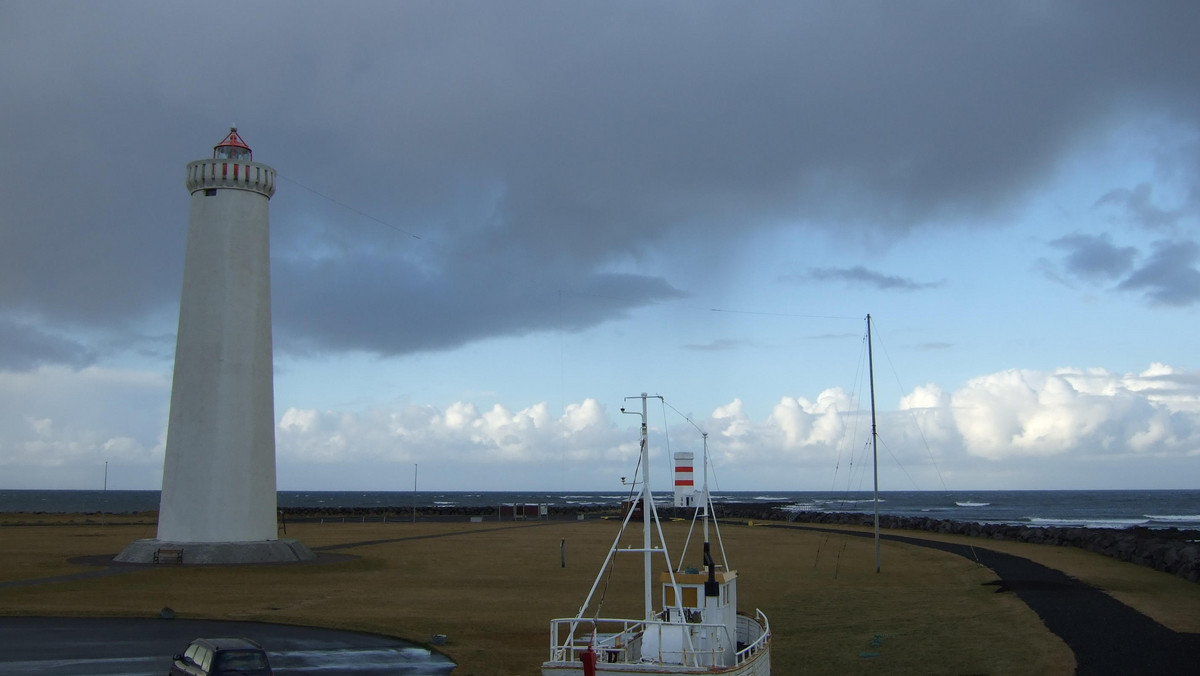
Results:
<point x="614" y="640"/>
<point x="754" y="633"/>
<point x="620" y="640"/>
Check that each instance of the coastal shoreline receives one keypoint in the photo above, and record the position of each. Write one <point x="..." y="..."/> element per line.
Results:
<point x="1171" y="550"/>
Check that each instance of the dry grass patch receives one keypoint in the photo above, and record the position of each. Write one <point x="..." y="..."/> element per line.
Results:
<point x="493" y="588"/>
<point x="42" y="549"/>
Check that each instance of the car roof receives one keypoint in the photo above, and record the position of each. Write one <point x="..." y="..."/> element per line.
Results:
<point x="229" y="643"/>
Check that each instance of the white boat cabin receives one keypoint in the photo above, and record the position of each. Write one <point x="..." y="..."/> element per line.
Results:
<point x="701" y="624"/>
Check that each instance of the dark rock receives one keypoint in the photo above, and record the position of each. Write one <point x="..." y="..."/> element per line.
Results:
<point x="1169" y="550"/>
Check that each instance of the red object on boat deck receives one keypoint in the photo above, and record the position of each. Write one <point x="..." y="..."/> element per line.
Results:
<point x="589" y="658"/>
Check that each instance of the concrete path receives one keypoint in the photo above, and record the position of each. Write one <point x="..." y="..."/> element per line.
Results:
<point x="140" y="646"/>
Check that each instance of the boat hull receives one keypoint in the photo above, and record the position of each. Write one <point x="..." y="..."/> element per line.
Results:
<point x="620" y="653"/>
<point x="757" y="665"/>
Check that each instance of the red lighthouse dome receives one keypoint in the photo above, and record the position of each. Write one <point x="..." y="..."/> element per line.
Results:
<point x="232" y="147"/>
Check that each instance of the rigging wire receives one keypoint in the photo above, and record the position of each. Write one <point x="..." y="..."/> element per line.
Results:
<point x="857" y="415"/>
<point x="903" y="469"/>
<point x="708" y="466"/>
<point x="348" y="207"/>
<point x="666" y="434"/>
<point x="612" y="560"/>
<point x="777" y="314"/>
<point x="879" y="438"/>
<point x="820" y="544"/>
<point x="920" y="430"/>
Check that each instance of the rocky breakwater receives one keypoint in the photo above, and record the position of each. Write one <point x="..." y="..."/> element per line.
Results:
<point x="1170" y="550"/>
<point x="450" y="513"/>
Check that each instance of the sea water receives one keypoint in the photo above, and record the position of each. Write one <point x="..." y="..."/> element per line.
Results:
<point x="1092" y="509"/>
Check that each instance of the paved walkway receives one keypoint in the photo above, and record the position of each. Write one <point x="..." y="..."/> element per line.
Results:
<point x="58" y="646"/>
<point x="1107" y="636"/>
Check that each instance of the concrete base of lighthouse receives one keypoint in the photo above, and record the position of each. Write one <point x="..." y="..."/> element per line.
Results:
<point x="216" y="553"/>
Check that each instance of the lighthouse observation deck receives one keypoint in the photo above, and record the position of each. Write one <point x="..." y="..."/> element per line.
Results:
<point x="231" y="167"/>
<point x="232" y="174"/>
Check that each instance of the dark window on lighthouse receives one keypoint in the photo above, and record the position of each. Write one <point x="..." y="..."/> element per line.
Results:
<point x="210" y="192"/>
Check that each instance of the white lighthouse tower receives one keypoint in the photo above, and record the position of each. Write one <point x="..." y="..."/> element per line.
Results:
<point x="218" y="493"/>
<point x="685" y="485"/>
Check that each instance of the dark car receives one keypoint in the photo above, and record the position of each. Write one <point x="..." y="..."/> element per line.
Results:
<point x="213" y="656"/>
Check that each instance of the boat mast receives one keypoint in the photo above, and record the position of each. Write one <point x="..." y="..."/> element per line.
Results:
<point x="874" y="439"/>
<point x="704" y="487"/>
<point x="710" y="585"/>
<point x="646" y="499"/>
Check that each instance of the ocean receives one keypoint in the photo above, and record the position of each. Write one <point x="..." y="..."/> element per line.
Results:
<point x="1092" y="509"/>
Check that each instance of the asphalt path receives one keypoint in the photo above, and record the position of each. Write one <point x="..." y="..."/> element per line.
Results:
<point x="142" y="646"/>
<point x="1107" y="636"/>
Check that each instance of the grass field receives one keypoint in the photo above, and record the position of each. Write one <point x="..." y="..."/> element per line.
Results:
<point x="493" y="587"/>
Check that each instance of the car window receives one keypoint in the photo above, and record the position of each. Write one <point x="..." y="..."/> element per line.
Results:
<point x="204" y="658"/>
<point x="241" y="660"/>
<point x="190" y="655"/>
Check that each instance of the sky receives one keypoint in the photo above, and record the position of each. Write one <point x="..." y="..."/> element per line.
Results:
<point x="496" y="222"/>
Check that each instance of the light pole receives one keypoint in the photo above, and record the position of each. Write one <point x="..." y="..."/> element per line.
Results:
<point x="104" y="498"/>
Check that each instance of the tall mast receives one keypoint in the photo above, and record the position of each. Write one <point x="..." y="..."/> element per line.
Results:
<point x="647" y="498"/>
<point x="704" y="460"/>
<point x="874" y="439"/>
<point x="710" y="585"/>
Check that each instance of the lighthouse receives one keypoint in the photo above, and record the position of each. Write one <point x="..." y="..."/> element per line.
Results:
<point x="218" y="501"/>
<point x="685" y="486"/>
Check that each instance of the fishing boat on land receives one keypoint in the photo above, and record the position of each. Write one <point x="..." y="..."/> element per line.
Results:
<point x="694" y="628"/>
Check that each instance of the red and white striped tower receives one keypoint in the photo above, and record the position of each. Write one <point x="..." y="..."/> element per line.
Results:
<point x="685" y="485"/>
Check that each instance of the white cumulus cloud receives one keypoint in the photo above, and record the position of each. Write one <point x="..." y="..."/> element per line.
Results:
<point x="1068" y="427"/>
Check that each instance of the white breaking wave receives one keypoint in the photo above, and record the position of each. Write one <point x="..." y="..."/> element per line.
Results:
<point x="1089" y="523"/>
<point x="967" y="503"/>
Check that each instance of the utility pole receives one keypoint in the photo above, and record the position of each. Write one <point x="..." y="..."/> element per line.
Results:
<point x="874" y="440"/>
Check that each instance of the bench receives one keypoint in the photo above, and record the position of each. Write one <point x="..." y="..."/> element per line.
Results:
<point x="168" y="556"/>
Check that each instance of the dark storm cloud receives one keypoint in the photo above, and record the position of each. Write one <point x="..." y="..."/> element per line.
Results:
<point x="380" y="305"/>
<point x="933" y="346"/>
<point x="23" y="348"/>
<point x="536" y="148"/>
<point x="1138" y="205"/>
<point x="860" y="276"/>
<point x="1095" y="257"/>
<point x="719" y="345"/>
<point x="1170" y="276"/>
